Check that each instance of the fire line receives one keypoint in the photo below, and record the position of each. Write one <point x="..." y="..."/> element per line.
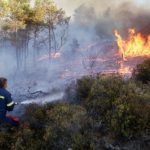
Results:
<point x="135" y="45"/>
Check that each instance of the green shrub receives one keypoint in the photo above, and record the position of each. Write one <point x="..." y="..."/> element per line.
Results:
<point x="84" y="86"/>
<point x="121" y="105"/>
<point x="142" y="72"/>
<point x="102" y="95"/>
<point x="52" y="126"/>
<point x="132" y="114"/>
<point x="63" y="121"/>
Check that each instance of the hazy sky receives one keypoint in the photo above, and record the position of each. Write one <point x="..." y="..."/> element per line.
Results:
<point x="70" y="5"/>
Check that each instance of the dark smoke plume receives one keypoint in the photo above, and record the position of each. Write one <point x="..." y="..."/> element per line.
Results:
<point x="106" y="16"/>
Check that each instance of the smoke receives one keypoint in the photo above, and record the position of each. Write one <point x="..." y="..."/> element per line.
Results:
<point x="95" y="20"/>
<point x="89" y="46"/>
<point x="104" y="16"/>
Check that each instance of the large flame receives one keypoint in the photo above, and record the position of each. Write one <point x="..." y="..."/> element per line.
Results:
<point x="135" y="45"/>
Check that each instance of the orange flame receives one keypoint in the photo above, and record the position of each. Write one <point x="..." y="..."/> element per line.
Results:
<point x="124" y="70"/>
<point x="134" y="46"/>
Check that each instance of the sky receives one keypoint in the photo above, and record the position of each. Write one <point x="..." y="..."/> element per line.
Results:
<point x="70" y="5"/>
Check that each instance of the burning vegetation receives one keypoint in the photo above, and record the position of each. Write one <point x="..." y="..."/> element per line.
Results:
<point x="135" y="45"/>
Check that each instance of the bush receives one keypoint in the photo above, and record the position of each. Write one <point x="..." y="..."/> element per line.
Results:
<point x="132" y="113"/>
<point x="142" y="72"/>
<point x="122" y="106"/>
<point x="102" y="95"/>
<point x="52" y="126"/>
<point x="84" y="86"/>
<point x="63" y="122"/>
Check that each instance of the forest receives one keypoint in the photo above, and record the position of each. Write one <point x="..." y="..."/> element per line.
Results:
<point x="23" y="25"/>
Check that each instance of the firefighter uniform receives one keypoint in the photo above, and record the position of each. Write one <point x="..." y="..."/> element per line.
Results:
<point x="6" y="104"/>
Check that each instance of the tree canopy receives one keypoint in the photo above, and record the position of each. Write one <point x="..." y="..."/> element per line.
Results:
<point x="20" y="22"/>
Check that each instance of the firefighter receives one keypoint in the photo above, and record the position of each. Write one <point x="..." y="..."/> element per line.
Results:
<point x="6" y="104"/>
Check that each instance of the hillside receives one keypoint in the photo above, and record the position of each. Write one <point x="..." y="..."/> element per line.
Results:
<point x="104" y="112"/>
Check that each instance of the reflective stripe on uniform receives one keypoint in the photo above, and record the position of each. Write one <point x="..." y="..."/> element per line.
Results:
<point x="10" y="104"/>
<point x="2" y="97"/>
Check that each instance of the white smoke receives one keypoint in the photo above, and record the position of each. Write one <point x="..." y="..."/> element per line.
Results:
<point x="89" y="48"/>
